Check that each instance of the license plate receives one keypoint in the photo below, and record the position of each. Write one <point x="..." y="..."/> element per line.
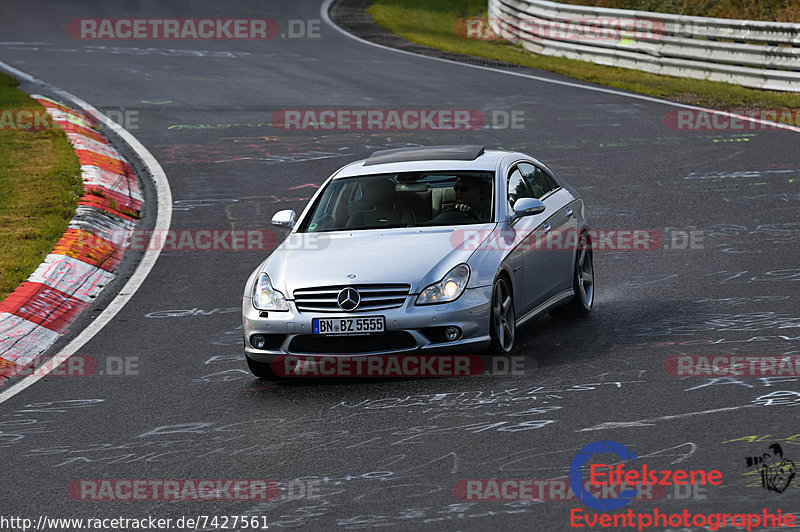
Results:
<point x="352" y="326"/>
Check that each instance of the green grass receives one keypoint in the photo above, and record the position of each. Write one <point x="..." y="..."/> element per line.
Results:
<point x="430" y="22"/>
<point x="40" y="183"/>
<point x="774" y="10"/>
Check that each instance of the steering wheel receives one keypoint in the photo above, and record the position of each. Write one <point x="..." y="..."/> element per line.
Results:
<point x="469" y="213"/>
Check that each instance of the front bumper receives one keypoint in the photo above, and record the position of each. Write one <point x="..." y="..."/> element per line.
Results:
<point x="409" y="329"/>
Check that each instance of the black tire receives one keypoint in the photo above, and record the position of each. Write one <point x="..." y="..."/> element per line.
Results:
<point x="262" y="370"/>
<point x="502" y="320"/>
<point x="582" y="284"/>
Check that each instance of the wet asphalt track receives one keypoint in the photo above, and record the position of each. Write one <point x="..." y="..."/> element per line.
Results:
<point x="388" y="453"/>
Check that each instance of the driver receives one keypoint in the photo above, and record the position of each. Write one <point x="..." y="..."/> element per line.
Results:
<point x="472" y="198"/>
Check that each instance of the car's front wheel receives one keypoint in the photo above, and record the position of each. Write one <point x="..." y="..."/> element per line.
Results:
<point x="262" y="370"/>
<point x="502" y="324"/>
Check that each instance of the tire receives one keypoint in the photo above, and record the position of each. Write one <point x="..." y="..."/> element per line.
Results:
<point x="502" y="320"/>
<point x="261" y="370"/>
<point x="582" y="284"/>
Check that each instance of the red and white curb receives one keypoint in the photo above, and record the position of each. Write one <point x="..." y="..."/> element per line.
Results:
<point x="82" y="262"/>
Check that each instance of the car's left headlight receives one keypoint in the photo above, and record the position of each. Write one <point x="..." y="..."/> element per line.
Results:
<point x="446" y="290"/>
<point x="267" y="298"/>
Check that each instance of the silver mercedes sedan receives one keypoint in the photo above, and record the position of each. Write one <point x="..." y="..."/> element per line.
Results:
<point x="420" y="250"/>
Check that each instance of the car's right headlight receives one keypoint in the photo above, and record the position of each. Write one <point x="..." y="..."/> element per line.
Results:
<point x="446" y="290"/>
<point x="267" y="298"/>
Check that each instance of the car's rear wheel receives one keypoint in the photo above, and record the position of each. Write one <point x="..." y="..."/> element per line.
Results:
<point x="582" y="284"/>
<point x="262" y="370"/>
<point x="502" y="324"/>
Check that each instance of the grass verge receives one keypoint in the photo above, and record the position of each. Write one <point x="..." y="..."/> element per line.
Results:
<point x="772" y="10"/>
<point x="40" y="183"/>
<point x="430" y="23"/>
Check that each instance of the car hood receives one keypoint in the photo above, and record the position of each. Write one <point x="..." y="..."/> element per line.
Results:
<point x="416" y="256"/>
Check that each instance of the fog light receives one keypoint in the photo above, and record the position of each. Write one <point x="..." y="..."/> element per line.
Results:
<point x="258" y="341"/>
<point x="452" y="334"/>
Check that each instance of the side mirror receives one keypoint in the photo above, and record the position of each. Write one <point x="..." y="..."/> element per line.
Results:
<point x="527" y="207"/>
<point x="284" y="218"/>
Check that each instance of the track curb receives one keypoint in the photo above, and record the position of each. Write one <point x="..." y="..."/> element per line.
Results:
<point x="83" y="261"/>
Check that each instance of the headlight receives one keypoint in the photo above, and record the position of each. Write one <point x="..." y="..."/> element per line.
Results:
<point x="446" y="290"/>
<point x="267" y="298"/>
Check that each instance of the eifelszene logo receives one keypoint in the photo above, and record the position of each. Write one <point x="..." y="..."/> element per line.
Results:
<point x="628" y="477"/>
<point x="576" y="475"/>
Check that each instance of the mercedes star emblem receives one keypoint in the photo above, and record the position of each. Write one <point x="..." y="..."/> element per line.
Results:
<point x="348" y="299"/>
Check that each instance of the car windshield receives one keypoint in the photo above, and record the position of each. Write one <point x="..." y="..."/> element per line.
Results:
<point x="409" y="199"/>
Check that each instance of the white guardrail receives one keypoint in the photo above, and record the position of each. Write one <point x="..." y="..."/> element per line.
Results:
<point x="757" y="54"/>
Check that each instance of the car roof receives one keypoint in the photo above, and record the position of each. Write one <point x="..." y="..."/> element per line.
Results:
<point x="429" y="158"/>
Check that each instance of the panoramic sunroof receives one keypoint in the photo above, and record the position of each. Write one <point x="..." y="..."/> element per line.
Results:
<point x="468" y="152"/>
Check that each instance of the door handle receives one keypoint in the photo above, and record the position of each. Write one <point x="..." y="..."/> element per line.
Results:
<point x="569" y="212"/>
<point x="546" y="228"/>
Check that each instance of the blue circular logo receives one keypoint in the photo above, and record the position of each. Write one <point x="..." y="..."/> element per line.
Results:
<point x="576" y="475"/>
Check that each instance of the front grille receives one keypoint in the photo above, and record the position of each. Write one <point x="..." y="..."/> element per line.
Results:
<point x="373" y="297"/>
<point x="314" y="344"/>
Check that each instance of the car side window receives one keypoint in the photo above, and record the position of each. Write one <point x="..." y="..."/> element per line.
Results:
<point x="538" y="180"/>
<point x="517" y="187"/>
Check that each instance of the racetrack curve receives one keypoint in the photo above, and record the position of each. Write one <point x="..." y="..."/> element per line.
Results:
<point x="388" y="453"/>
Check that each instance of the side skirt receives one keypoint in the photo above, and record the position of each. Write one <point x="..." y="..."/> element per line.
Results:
<point x="553" y="302"/>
